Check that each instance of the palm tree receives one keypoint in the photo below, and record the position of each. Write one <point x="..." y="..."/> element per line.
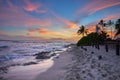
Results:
<point x="82" y="30"/>
<point x="110" y="23"/>
<point x="117" y="27"/>
<point x="97" y="28"/>
<point x="102" y="23"/>
<point x="103" y="34"/>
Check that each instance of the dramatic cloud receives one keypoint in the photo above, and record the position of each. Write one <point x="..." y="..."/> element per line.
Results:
<point x="16" y="16"/>
<point x="97" y="5"/>
<point x="36" y="18"/>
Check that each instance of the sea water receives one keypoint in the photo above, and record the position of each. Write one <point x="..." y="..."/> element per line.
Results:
<point x="14" y="54"/>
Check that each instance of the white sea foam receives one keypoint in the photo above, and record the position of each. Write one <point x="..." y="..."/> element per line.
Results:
<point x="20" y="52"/>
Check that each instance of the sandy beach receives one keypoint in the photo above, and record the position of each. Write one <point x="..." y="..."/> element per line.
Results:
<point x="86" y="63"/>
<point x="76" y="63"/>
<point x="57" y="71"/>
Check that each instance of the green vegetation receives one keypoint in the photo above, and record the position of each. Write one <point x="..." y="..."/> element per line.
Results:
<point x="117" y="27"/>
<point x="93" y="38"/>
<point x="100" y="36"/>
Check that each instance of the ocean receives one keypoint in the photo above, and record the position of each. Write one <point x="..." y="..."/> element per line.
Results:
<point x="17" y="57"/>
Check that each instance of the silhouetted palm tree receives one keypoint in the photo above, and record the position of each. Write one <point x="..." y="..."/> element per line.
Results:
<point x="82" y="31"/>
<point x="102" y="23"/>
<point x="117" y="27"/>
<point x="110" y="23"/>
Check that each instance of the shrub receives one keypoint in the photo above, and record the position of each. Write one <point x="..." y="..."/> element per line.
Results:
<point x="92" y="38"/>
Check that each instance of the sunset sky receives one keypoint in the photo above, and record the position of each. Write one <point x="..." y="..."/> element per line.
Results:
<point x="52" y="19"/>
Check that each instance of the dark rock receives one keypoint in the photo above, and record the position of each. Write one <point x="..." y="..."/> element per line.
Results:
<point x="3" y="69"/>
<point x="57" y="57"/>
<point x="29" y="63"/>
<point x="42" y="55"/>
<point x="53" y="54"/>
<point x="15" y="65"/>
<point x="2" y="47"/>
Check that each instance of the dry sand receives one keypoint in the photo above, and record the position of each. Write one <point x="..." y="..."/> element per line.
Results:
<point x="84" y="64"/>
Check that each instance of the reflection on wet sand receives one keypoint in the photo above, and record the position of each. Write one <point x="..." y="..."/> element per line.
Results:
<point x="28" y="72"/>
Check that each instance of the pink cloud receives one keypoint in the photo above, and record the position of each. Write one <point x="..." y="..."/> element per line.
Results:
<point x="97" y="5"/>
<point x="16" y="16"/>
<point x="36" y="7"/>
<point x="111" y="17"/>
<point x="30" y="6"/>
<point x="107" y="18"/>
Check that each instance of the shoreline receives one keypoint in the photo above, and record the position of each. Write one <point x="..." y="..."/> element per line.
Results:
<point x="76" y="63"/>
<point x="58" y="70"/>
<point x="84" y="64"/>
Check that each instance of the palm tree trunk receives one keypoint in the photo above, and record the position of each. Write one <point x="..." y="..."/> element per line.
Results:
<point x="111" y="32"/>
<point x="106" y="47"/>
<point x="117" y="49"/>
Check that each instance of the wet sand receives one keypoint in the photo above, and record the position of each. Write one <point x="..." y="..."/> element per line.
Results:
<point x="57" y="71"/>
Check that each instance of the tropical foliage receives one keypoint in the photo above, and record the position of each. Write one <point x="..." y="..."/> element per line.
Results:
<point x="93" y="38"/>
<point x="98" y="37"/>
<point x="117" y="27"/>
<point x="82" y="31"/>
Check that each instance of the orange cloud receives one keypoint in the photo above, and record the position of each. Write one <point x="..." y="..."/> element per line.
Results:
<point x="72" y="25"/>
<point x="46" y="31"/>
<point x="91" y="28"/>
<point x="111" y="34"/>
<point x="48" y="34"/>
<point x="30" y="6"/>
<point x="37" y="7"/>
<point x="97" y="5"/>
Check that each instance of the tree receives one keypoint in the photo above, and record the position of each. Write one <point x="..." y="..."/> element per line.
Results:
<point x="102" y="24"/>
<point x="117" y="27"/>
<point x="110" y="23"/>
<point x="93" y="39"/>
<point x="82" y="31"/>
